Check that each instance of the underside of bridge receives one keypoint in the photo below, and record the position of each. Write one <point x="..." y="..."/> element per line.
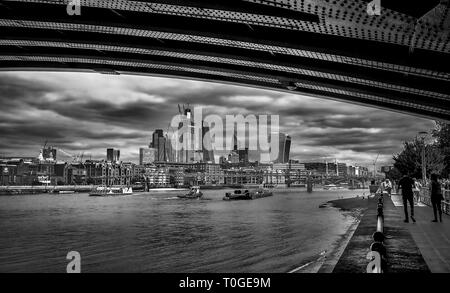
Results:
<point x="398" y="60"/>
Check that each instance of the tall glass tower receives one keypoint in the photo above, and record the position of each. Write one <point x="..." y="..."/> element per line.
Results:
<point x="284" y="148"/>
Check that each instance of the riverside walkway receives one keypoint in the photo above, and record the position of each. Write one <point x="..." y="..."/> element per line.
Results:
<point x="420" y="247"/>
<point x="433" y="239"/>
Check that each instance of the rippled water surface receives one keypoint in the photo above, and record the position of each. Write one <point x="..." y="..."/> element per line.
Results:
<point x="157" y="232"/>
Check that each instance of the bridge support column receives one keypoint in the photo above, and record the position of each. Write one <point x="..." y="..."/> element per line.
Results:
<point x="309" y="186"/>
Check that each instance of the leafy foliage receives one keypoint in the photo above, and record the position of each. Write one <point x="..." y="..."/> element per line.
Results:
<point x="442" y="135"/>
<point x="394" y="174"/>
<point x="409" y="160"/>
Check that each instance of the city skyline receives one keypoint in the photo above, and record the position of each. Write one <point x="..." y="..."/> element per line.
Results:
<point x="80" y="112"/>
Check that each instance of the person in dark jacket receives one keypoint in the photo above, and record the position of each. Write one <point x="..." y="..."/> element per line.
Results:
<point x="406" y="184"/>
<point x="436" y="197"/>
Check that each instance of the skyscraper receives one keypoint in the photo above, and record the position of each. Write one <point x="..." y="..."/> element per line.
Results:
<point x="159" y="144"/>
<point x="161" y="149"/>
<point x="112" y="155"/>
<point x="194" y="142"/>
<point x="156" y="134"/>
<point x="235" y="140"/>
<point x="109" y="155"/>
<point x="170" y="153"/>
<point x="186" y="151"/>
<point x="189" y="152"/>
<point x="243" y="156"/>
<point x="284" y="148"/>
<point x="208" y="153"/>
<point x="287" y="149"/>
<point x="238" y="151"/>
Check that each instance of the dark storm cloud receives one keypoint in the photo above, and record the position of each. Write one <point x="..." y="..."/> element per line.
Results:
<point x="14" y="87"/>
<point x="374" y="148"/>
<point x="139" y="114"/>
<point x="31" y="131"/>
<point x="343" y="121"/>
<point x="91" y="111"/>
<point x="60" y="133"/>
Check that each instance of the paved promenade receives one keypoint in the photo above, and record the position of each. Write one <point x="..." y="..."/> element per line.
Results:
<point x="432" y="239"/>
<point x="403" y="254"/>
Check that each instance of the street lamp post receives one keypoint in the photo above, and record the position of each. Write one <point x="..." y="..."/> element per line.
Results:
<point x="423" y="135"/>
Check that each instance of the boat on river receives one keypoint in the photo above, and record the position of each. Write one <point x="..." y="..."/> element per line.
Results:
<point x="193" y="193"/>
<point x="248" y="194"/>
<point x="111" y="191"/>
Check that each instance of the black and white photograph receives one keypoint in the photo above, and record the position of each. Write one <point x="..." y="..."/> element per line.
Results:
<point x="199" y="137"/>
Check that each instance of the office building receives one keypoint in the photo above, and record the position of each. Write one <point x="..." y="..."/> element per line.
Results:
<point x="147" y="155"/>
<point x="284" y="148"/>
<point x="207" y="149"/>
<point x="159" y="144"/>
<point x="112" y="155"/>
<point x="243" y="156"/>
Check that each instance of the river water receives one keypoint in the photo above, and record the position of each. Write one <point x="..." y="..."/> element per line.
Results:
<point x="157" y="232"/>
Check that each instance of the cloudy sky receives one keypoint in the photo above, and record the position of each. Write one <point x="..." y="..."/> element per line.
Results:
<point x="89" y="112"/>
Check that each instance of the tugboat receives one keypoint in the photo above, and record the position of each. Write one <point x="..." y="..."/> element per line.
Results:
<point x="246" y="194"/>
<point x="111" y="191"/>
<point x="192" y="194"/>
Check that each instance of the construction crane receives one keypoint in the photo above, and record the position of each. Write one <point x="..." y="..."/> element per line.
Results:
<point x="374" y="166"/>
<point x="66" y="153"/>
<point x="75" y="158"/>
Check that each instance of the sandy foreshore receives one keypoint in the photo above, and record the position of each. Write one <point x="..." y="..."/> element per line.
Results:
<point x="353" y="209"/>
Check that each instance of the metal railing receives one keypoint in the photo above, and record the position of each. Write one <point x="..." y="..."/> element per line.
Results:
<point x="424" y="197"/>
<point x="378" y="263"/>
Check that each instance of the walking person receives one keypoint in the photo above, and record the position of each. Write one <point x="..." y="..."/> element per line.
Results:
<point x="436" y="197"/>
<point x="406" y="184"/>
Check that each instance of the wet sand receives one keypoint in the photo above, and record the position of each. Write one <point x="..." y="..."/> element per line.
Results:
<point x="353" y="209"/>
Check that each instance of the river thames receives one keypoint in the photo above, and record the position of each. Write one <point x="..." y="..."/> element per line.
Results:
<point x="157" y="232"/>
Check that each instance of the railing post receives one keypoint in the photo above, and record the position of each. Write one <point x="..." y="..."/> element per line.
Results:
<point x="378" y="238"/>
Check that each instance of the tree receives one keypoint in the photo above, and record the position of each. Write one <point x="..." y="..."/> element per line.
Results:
<point x="442" y="135"/>
<point x="435" y="160"/>
<point x="409" y="160"/>
<point x="394" y="174"/>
